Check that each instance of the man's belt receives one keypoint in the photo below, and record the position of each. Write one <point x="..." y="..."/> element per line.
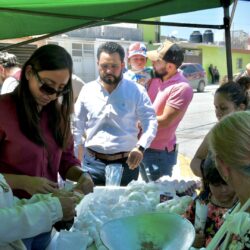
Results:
<point x="108" y="157"/>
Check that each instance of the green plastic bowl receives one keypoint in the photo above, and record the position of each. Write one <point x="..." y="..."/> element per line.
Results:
<point x="150" y="231"/>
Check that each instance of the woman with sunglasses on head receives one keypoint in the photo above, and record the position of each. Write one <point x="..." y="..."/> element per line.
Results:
<point x="37" y="142"/>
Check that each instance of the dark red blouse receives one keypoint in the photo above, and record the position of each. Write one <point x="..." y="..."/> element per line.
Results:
<point x="19" y="155"/>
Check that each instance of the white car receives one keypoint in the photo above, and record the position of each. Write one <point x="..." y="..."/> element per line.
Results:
<point x="195" y="74"/>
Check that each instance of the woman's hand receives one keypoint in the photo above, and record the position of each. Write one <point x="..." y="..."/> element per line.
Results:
<point x="84" y="184"/>
<point x="34" y="185"/>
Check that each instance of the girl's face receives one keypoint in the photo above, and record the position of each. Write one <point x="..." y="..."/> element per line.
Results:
<point x="47" y="85"/>
<point x="137" y="62"/>
<point x="222" y="193"/>
<point x="223" y="106"/>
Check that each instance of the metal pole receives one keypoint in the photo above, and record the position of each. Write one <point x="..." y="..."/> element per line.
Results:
<point x="228" y="40"/>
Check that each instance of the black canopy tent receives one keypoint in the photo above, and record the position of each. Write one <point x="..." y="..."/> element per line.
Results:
<point x="44" y="18"/>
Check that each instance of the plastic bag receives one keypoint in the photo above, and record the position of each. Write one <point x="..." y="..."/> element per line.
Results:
<point x="201" y="212"/>
<point x="72" y="240"/>
<point x="113" y="174"/>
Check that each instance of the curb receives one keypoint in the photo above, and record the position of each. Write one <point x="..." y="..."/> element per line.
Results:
<point x="184" y="165"/>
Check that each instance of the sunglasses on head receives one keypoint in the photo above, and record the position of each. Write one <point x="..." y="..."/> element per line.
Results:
<point x="46" y="89"/>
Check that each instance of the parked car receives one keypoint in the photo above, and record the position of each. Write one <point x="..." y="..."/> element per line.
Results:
<point x="195" y="74"/>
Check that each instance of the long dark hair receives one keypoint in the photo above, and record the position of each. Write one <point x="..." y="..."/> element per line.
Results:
<point x="48" y="57"/>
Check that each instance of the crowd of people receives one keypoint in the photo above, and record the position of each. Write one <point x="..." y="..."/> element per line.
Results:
<point x="49" y="131"/>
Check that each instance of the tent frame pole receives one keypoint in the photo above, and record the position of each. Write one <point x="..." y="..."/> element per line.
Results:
<point x="227" y="23"/>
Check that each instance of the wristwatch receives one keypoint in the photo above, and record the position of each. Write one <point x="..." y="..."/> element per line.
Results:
<point x="141" y="148"/>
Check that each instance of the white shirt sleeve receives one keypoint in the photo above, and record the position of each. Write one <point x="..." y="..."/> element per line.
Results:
<point x="9" y="85"/>
<point x="27" y="218"/>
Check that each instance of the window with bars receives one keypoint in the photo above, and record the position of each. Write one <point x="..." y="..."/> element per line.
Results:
<point x="76" y="49"/>
<point x="88" y="49"/>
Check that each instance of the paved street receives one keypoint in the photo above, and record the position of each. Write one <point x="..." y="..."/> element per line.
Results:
<point x="196" y="123"/>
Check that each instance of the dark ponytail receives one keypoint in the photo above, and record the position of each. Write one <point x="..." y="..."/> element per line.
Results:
<point x="234" y="92"/>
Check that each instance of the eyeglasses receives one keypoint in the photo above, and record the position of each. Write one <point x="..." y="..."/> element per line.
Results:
<point x="46" y="89"/>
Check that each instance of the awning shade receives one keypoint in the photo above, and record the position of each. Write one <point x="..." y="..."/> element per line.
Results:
<point x="21" y="18"/>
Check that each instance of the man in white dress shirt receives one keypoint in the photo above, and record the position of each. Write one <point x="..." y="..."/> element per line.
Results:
<point x="108" y="110"/>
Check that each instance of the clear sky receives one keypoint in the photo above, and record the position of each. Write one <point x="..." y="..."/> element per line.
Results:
<point x="241" y="21"/>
